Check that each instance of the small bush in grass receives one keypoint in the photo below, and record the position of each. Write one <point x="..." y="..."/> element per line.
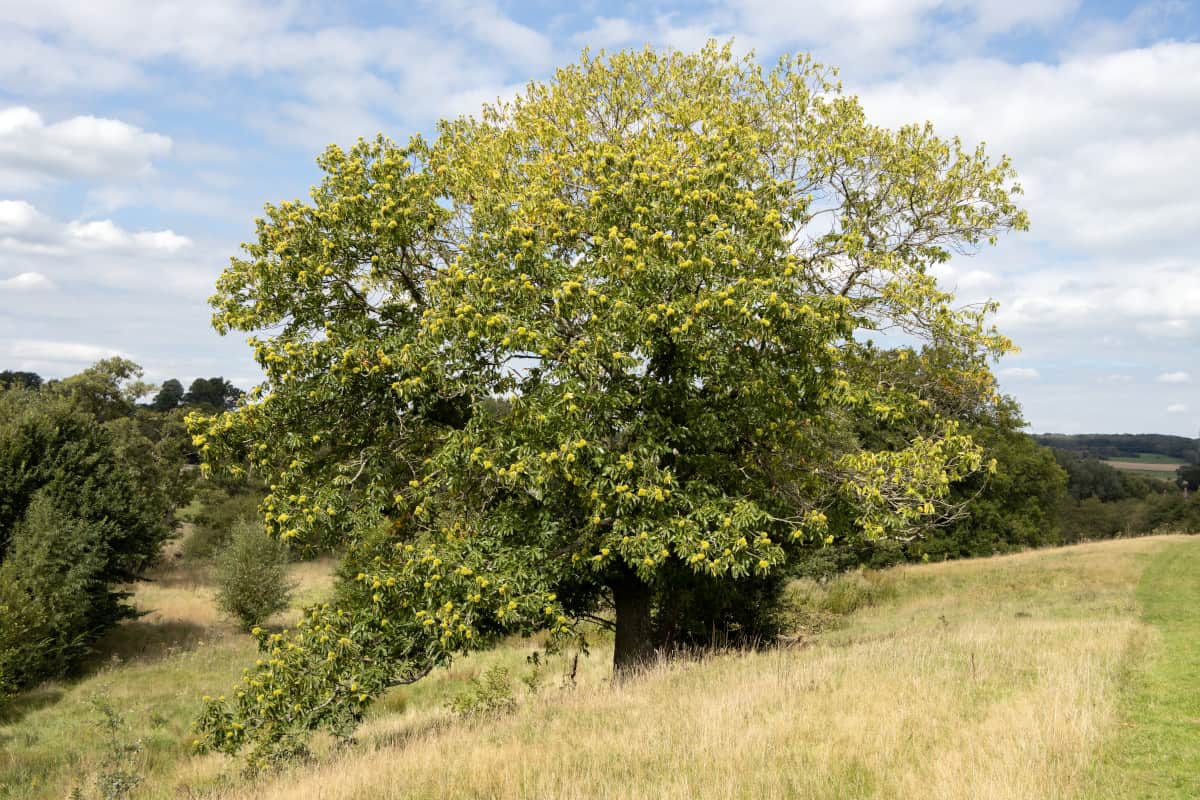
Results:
<point x="815" y="605"/>
<point x="213" y="523"/>
<point x="120" y="771"/>
<point x="486" y="696"/>
<point x="252" y="575"/>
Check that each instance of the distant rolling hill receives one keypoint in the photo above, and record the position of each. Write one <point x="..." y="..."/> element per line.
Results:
<point x="1145" y="452"/>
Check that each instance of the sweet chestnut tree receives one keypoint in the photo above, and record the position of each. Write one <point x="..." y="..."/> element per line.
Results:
<point x="615" y="330"/>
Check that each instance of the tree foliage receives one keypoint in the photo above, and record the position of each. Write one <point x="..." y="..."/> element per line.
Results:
<point x="607" y="334"/>
<point x="1188" y="477"/>
<point x="55" y="598"/>
<point x="1087" y="477"/>
<point x="216" y="394"/>
<point x="49" y="444"/>
<point x="24" y="380"/>
<point x="87" y="486"/>
<point x="1123" y="445"/>
<point x="106" y="390"/>
<point x="169" y="396"/>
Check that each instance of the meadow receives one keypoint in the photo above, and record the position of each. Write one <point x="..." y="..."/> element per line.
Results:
<point x="1059" y="673"/>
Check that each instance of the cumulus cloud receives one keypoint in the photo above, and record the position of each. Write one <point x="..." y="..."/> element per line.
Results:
<point x="1077" y="130"/>
<point x="24" y="229"/>
<point x="27" y="282"/>
<point x="1173" y="377"/>
<point x="333" y="78"/>
<point x="519" y="43"/>
<point x="33" y="152"/>
<point x="607" y="32"/>
<point x="1106" y="146"/>
<point x="1177" y="408"/>
<point x="43" y="350"/>
<point x="99" y="253"/>
<point x="105" y="234"/>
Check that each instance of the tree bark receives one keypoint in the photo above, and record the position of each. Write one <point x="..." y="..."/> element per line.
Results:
<point x="634" y="646"/>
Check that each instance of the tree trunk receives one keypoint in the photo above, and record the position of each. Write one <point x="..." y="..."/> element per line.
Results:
<point x="634" y="647"/>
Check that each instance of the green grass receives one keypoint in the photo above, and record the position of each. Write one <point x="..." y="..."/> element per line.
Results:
<point x="50" y="739"/>
<point x="1157" y="753"/>
<point x="1149" y="458"/>
<point x="1154" y="475"/>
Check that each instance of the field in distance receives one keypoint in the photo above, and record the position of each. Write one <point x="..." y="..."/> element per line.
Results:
<point x="1147" y="465"/>
<point x="1146" y="461"/>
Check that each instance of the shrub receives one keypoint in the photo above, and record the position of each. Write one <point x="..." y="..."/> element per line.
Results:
<point x="814" y="605"/>
<point x="119" y="770"/>
<point x="54" y="601"/>
<point x="49" y="446"/>
<point x="695" y="611"/>
<point x="252" y="575"/>
<point x="486" y="696"/>
<point x="213" y="526"/>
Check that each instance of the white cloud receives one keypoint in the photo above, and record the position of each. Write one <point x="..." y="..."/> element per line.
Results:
<point x="107" y="235"/>
<point x="42" y="66"/>
<point x="18" y="215"/>
<point x="1177" y="408"/>
<point x="1166" y="328"/>
<point x="27" y="282"/>
<point x="608" y="32"/>
<point x="1106" y="144"/>
<point x="967" y="285"/>
<point x="27" y="350"/>
<point x="331" y="77"/>
<point x="99" y="253"/>
<point x="33" y="152"/>
<point x="1117" y="378"/>
<point x="519" y="43"/>
<point x="25" y="229"/>
<point x="862" y="36"/>
<point x="1173" y="377"/>
<point x="1020" y="373"/>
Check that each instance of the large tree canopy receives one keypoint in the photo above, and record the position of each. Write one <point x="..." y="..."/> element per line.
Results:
<point x="614" y="331"/>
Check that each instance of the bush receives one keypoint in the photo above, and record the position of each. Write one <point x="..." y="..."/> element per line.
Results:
<point x="54" y="600"/>
<point x="486" y="696"/>
<point x="50" y="446"/>
<point x="814" y="605"/>
<point x="214" y="524"/>
<point x="695" y="611"/>
<point x="120" y="773"/>
<point x="252" y="575"/>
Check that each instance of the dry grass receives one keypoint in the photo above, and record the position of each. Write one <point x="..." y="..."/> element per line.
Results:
<point x="987" y="679"/>
<point x="153" y="670"/>
<point x="995" y="678"/>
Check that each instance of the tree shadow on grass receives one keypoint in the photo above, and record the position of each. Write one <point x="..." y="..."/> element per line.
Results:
<point x="138" y="641"/>
<point x="144" y="640"/>
<point x="26" y="703"/>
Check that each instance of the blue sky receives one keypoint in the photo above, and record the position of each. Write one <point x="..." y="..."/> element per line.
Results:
<point x="139" y="139"/>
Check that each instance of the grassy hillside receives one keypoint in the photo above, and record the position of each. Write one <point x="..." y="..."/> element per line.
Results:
<point x="1157" y="751"/>
<point x="1123" y="446"/>
<point x="1147" y="465"/>
<point x="1148" y="459"/>
<point x="1048" y="674"/>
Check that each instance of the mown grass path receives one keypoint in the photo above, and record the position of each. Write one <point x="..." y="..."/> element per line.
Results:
<point x="1157" y="753"/>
